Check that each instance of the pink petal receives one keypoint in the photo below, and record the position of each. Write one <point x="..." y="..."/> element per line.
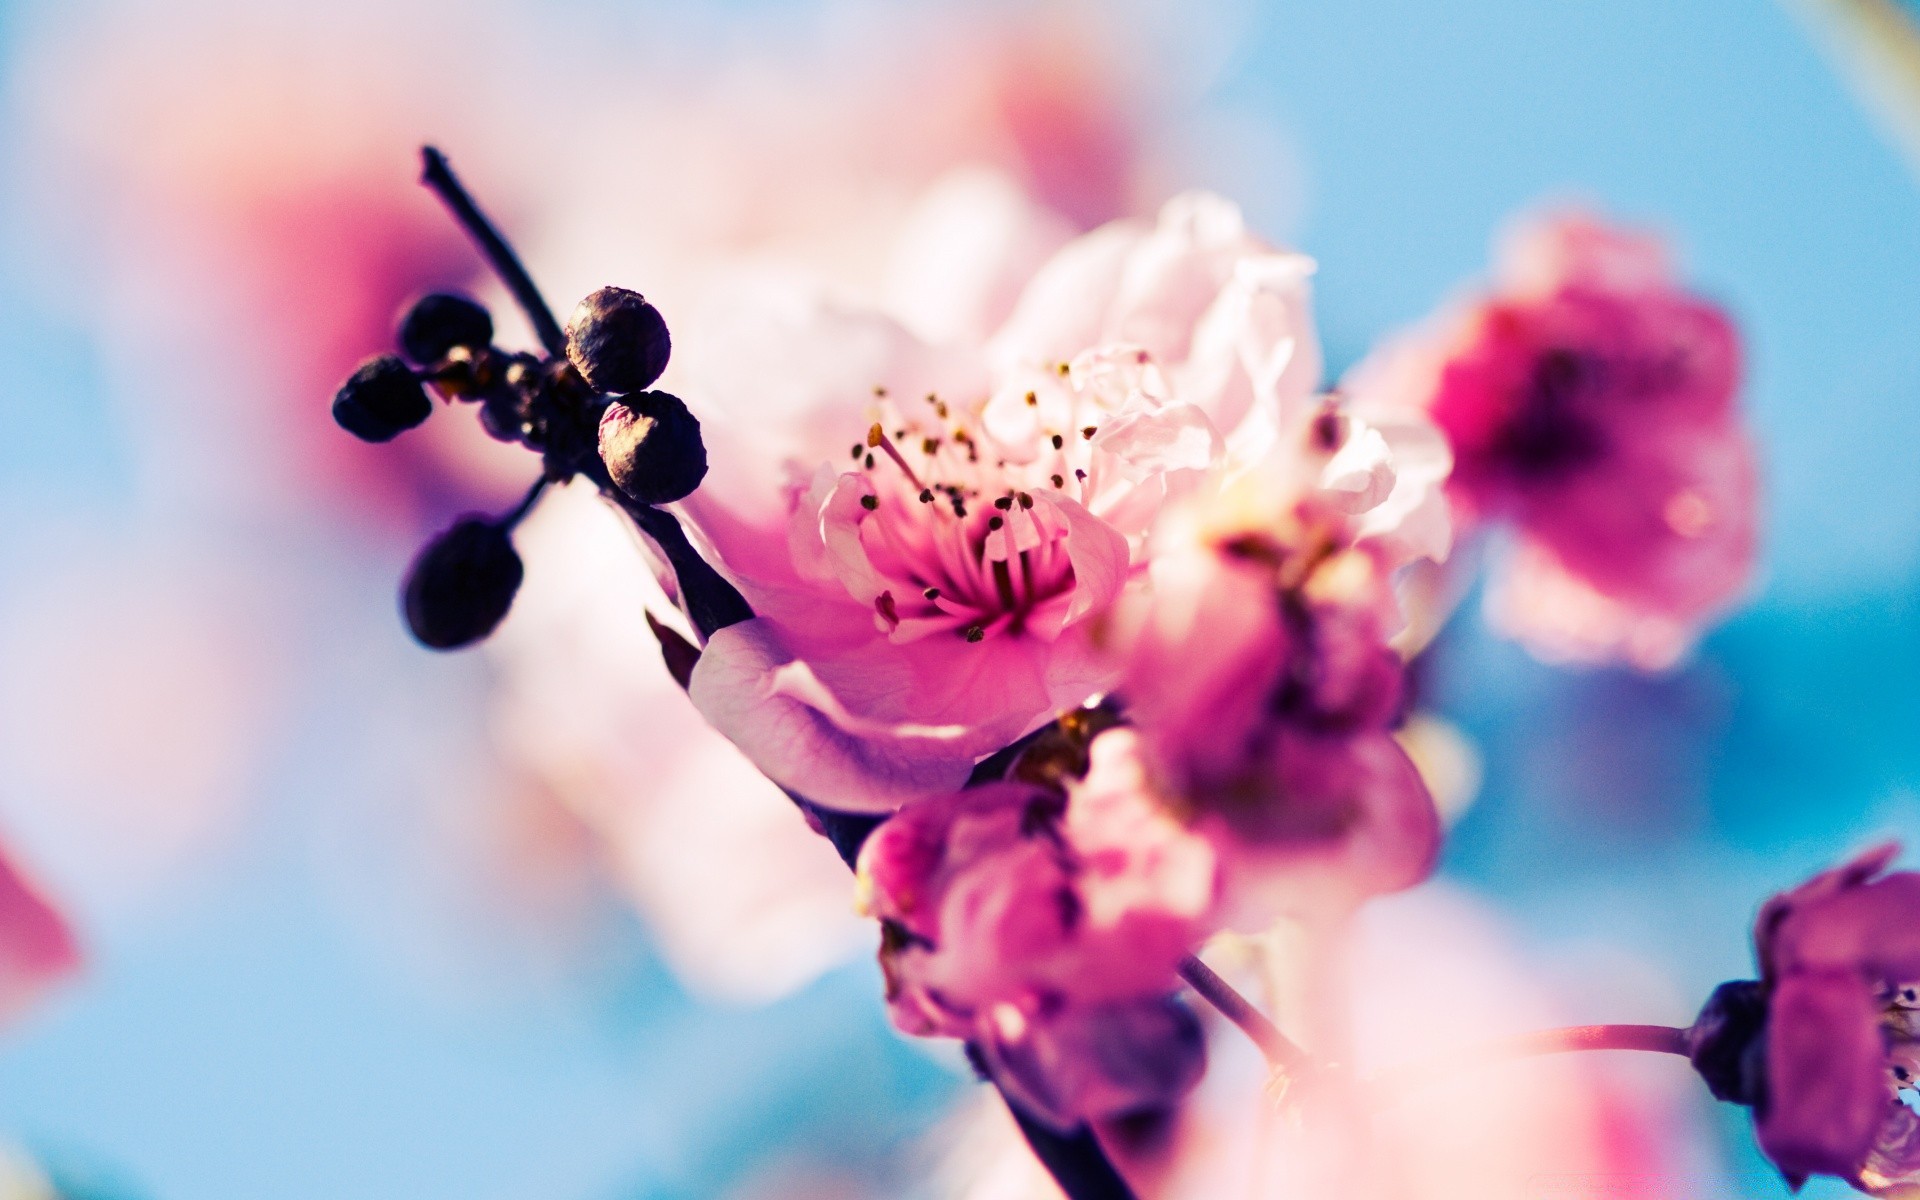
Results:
<point x="1826" y="1075"/>
<point x="36" y="946"/>
<point x="749" y="686"/>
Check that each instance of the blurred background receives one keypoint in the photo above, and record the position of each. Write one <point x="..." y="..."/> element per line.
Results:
<point x="363" y="920"/>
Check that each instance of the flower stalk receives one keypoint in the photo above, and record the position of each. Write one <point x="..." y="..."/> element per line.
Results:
<point x="1657" y="1039"/>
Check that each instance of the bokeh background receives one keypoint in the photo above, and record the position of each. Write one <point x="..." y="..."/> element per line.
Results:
<point x="352" y="929"/>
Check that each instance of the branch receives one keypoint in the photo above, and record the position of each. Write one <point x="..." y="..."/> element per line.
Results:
<point x="1279" y="1050"/>
<point x="438" y="176"/>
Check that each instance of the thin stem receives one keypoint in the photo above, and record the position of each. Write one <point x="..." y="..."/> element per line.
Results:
<point x="438" y="176"/>
<point x="526" y="505"/>
<point x="1280" y="1051"/>
<point x="1075" y="1160"/>
<point x="1656" y="1039"/>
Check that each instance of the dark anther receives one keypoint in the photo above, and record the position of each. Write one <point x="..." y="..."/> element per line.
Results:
<point x="381" y="400"/>
<point x="974" y="633"/>
<point x="1089" y="431"/>
<point x="1026" y="501"/>
<point x="869" y="502"/>
<point x="1058" y="441"/>
<point x="1032" y="400"/>
<point x="1059" y="482"/>
<point x="926" y="495"/>
<point x="437" y="323"/>
<point x="651" y="445"/>
<point x="996" y="523"/>
<point x="869" y="463"/>
<point x="462" y="584"/>
<point x="1727" y="1043"/>
<point x="1003" y="503"/>
<point x="617" y="341"/>
<point x="932" y="593"/>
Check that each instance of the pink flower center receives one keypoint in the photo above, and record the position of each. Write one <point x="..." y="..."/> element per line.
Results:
<point x="967" y="540"/>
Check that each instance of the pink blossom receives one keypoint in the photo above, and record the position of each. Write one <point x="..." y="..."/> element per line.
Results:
<point x="1590" y="401"/>
<point x="1840" y="974"/>
<point x="1046" y="930"/>
<point x="1259" y="668"/>
<point x="930" y="532"/>
<point x="36" y="947"/>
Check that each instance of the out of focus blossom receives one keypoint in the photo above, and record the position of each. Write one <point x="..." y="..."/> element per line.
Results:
<point x="1826" y="1047"/>
<point x="1514" y="1132"/>
<point x="1046" y="929"/>
<point x="927" y="532"/>
<point x="36" y="946"/>
<point x="1590" y="401"/>
<point x="799" y="166"/>
<point x="1259" y="668"/>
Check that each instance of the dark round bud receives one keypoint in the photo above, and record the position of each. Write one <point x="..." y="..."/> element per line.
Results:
<point x="1727" y="1043"/>
<point x="437" y="323"/>
<point x="503" y="414"/>
<point x="617" y="341"/>
<point x="651" y="445"/>
<point x="462" y="584"/>
<point x="381" y="400"/>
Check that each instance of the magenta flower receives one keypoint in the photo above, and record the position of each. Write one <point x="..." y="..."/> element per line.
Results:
<point x="1590" y="402"/>
<point x="927" y="534"/>
<point x="1260" y="671"/>
<point x="1826" y="1046"/>
<point x="36" y="946"/>
<point x="1046" y="930"/>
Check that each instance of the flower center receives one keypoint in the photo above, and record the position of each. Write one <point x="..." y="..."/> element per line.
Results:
<point x="963" y="528"/>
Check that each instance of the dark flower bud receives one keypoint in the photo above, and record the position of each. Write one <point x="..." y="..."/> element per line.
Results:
<point x="381" y="400"/>
<point x="1727" y="1043"/>
<point x="617" y="341"/>
<point x="503" y="414"/>
<point x="651" y="445"/>
<point x="462" y="584"/>
<point x="437" y="323"/>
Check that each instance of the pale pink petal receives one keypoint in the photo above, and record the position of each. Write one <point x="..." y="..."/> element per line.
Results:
<point x="776" y="717"/>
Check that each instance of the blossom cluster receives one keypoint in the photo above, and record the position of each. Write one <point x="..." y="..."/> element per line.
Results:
<point x="1081" y="627"/>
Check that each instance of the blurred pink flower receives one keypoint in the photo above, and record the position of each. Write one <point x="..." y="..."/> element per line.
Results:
<point x="1840" y="970"/>
<point x="1509" y="1132"/>
<point x="1259" y="671"/>
<point x="1047" y="929"/>
<point x="1590" y="401"/>
<point x="934" y="600"/>
<point x="36" y="946"/>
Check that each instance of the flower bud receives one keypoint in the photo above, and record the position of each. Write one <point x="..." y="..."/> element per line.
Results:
<point x="437" y="323"/>
<point x="651" y="445"/>
<point x="462" y="584"/>
<point x="381" y="400"/>
<point x="1727" y="1043"/>
<point x="617" y="341"/>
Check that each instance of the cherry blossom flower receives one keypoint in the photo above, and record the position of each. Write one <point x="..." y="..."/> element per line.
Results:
<point x="1259" y="668"/>
<point x="1826" y="1046"/>
<point x="928" y="532"/>
<point x="36" y="946"/>
<point x="1046" y="930"/>
<point x="1590" y="401"/>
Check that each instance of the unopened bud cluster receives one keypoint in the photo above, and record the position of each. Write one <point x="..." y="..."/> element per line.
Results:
<point x="587" y="412"/>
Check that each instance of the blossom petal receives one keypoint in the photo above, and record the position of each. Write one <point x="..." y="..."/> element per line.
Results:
<point x="1826" y="1075"/>
<point x="750" y="687"/>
